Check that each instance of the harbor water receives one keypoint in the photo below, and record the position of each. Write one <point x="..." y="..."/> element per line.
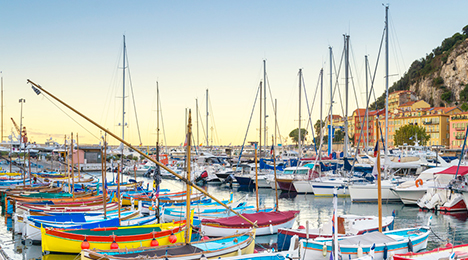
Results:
<point x="316" y="210"/>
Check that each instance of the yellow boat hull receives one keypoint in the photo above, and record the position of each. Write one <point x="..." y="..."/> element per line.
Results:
<point x="51" y="243"/>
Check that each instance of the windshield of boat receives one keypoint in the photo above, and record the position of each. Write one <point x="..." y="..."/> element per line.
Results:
<point x="296" y="171"/>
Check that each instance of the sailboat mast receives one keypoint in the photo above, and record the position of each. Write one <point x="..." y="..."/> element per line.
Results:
<point x="157" y="125"/>
<point x="330" y="118"/>
<point x="2" y="111"/>
<point x="386" y="89"/>
<point x="260" y="128"/>
<point x="264" y="105"/>
<point x="299" y="133"/>
<point x="367" y="102"/>
<point x="123" y="108"/>
<point x="274" y="159"/>
<point x="207" y="113"/>
<point x="346" y="137"/>
<point x="196" y="106"/>
<point x="321" y="105"/>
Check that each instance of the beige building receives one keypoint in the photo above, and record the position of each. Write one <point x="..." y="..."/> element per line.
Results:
<point x="398" y="98"/>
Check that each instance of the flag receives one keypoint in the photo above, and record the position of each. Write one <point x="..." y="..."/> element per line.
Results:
<point x="185" y="143"/>
<point x="376" y="149"/>
<point x="376" y="169"/>
<point x="399" y="158"/>
<point x="272" y="149"/>
<point x="156" y="193"/>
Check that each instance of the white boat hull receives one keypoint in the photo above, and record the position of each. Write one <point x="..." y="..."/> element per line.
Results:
<point x="410" y="196"/>
<point x="303" y="187"/>
<point x="369" y="193"/>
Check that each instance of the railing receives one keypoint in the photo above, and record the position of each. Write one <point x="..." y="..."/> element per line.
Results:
<point x="459" y="137"/>
<point x="430" y="122"/>
<point x="460" y="128"/>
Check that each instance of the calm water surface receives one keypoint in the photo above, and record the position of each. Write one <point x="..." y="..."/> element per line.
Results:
<point x="316" y="210"/>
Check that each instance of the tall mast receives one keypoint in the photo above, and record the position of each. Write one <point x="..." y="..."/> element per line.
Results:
<point x="299" y="133"/>
<point x="123" y="109"/>
<point x="2" y="112"/>
<point x="123" y="91"/>
<point x="321" y="105"/>
<point x="207" y="113"/>
<point x="346" y="138"/>
<point x="386" y="90"/>
<point x="330" y="118"/>
<point x="157" y="125"/>
<point x="260" y="129"/>
<point x="198" y="139"/>
<point x="264" y="105"/>
<point x="367" y="102"/>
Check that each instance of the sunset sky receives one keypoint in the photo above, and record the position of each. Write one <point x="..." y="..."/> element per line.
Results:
<point x="74" y="50"/>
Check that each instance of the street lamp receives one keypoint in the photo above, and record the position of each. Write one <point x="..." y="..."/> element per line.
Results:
<point x="22" y="100"/>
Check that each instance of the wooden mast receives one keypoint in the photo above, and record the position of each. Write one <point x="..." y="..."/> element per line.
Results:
<point x="189" y="189"/>
<point x="37" y="88"/>
<point x="379" y="179"/>
<point x="78" y="157"/>
<point x="72" y="166"/>
<point x="104" y="177"/>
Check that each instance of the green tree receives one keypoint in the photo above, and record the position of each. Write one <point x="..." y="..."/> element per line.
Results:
<point x="407" y="134"/>
<point x="317" y="127"/>
<point x="465" y="30"/>
<point x="339" y="136"/>
<point x="295" y="135"/>
<point x="464" y="106"/>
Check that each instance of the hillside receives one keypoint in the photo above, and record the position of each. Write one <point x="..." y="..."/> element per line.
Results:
<point x="441" y="78"/>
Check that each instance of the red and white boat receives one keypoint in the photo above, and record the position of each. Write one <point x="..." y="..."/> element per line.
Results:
<point x="455" y="203"/>
<point x="268" y="223"/>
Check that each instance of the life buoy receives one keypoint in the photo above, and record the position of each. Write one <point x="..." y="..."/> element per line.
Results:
<point x="418" y="183"/>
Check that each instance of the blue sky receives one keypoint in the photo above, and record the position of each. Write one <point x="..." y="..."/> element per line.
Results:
<point x="73" y="49"/>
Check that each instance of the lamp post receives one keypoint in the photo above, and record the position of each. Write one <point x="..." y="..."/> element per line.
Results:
<point x="22" y="100"/>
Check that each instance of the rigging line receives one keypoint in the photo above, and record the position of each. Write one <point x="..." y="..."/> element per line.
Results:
<point x="397" y="43"/>
<point x="162" y="123"/>
<point x="274" y="108"/>
<point x="214" y="123"/>
<point x="248" y="126"/>
<point x="309" y="109"/>
<point x="356" y="69"/>
<point x="110" y="91"/>
<point x="133" y="98"/>
<point x="337" y="80"/>
<point x="375" y="72"/>
<point x="71" y="117"/>
<point x="202" y="125"/>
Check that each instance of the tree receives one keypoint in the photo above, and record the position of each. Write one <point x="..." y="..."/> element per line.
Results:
<point x="295" y="135"/>
<point x="465" y="30"/>
<point x="339" y="136"/>
<point x="317" y="127"/>
<point x="464" y="107"/>
<point x="408" y="133"/>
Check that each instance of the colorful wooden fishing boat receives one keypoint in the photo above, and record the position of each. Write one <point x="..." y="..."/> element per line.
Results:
<point x="447" y="252"/>
<point x="239" y="244"/>
<point x="268" y="223"/>
<point x="73" y="241"/>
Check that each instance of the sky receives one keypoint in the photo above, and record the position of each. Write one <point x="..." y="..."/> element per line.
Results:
<point x="73" y="49"/>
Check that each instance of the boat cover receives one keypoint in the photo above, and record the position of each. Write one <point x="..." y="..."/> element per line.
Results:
<point x="262" y="219"/>
<point x="463" y="170"/>
<point x="166" y="251"/>
<point x="367" y="239"/>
